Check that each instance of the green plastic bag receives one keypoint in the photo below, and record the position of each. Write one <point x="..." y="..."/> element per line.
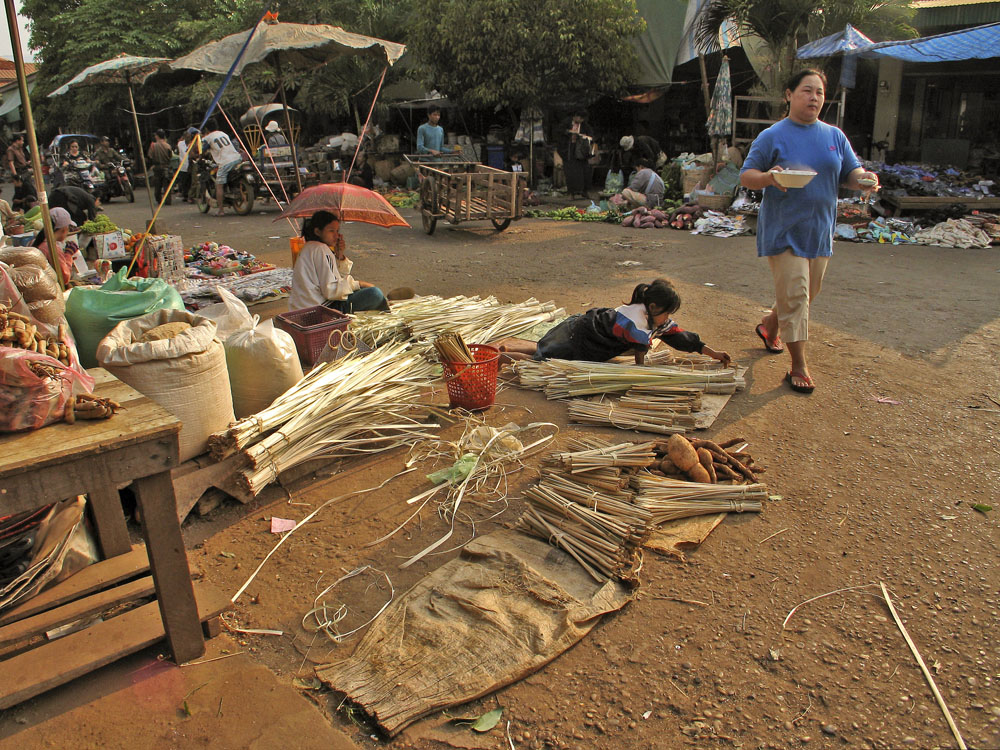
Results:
<point x="92" y="313"/>
<point x="457" y="472"/>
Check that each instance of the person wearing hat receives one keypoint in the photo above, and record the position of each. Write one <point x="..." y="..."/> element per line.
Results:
<point x="105" y="154"/>
<point x="274" y="135"/>
<point x="159" y="156"/>
<point x="62" y="227"/>
<point x="643" y="148"/>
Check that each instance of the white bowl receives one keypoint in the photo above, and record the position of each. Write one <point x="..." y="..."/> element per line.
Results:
<point x="793" y="178"/>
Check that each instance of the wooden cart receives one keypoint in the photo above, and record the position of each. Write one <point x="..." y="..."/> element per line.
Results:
<point x="455" y="190"/>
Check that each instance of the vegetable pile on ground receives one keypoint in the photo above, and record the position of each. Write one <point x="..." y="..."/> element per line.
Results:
<point x="572" y="213"/>
<point x="403" y="198"/>
<point x="101" y="225"/>
<point x="705" y="461"/>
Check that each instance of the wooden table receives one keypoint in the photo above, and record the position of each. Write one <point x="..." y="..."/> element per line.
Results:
<point x="137" y="445"/>
<point x="893" y="205"/>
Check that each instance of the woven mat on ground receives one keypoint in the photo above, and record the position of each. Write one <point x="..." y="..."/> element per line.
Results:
<point x="673" y="537"/>
<point x="503" y="609"/>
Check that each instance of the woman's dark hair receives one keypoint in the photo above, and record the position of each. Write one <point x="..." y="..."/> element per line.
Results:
<point x="660" y="293"/>
<point x="793" y="83"/>
<point x="315" y="223"/>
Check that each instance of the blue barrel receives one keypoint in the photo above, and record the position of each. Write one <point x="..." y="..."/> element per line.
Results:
<point x="494" y="156"/>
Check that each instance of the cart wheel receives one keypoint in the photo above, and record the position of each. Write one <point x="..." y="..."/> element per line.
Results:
<point x="429" y="222"/>
<point x="500" y="225"/>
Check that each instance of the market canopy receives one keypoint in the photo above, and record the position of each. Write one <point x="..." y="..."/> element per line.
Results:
<point x="125" y="69"/>
<point x="848" y="40"/>
<point x="978" y="43"/>
<point x="304" y="44"/>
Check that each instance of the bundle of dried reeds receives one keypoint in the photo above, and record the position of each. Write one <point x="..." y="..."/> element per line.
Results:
<point x="451" y="347"/>
<point x="591" y="454"/>
<point x="603" y="532"/>
<point x="667" y="499"/>
<point x="645" y="415"/>
<point x="477" y="320"/>
<point x="560" y="378"/>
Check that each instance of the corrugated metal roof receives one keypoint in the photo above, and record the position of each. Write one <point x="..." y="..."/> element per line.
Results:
<point x="931" y="13"/>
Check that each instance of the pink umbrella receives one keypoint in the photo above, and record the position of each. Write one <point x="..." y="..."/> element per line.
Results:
<point x="347" y="202"/>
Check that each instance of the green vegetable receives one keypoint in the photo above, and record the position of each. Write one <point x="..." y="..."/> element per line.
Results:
<point x="101" y="225"/>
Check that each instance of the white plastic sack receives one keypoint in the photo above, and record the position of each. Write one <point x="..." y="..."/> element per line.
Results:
<point x="186" y="375"/>
<point x="230" y="315"/>
<point x="262" y="364"/>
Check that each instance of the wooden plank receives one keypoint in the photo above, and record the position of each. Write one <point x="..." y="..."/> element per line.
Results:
<point x="140" y="421"/>
<point x="73" y="475"/>
<point x="105" y="508"/>
<point x="93" y="578"/>
<point x="56" y="663"/>
<point x="932" y="201"/>
<point x="191" y="480"/>
<point x="76" y="610"/>
<point x="468" y="199"/>
<point x="168" y="561"/>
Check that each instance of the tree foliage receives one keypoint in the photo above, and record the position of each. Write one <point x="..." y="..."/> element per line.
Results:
<point x="785" y="25"/>
<point x="511" y="53"/>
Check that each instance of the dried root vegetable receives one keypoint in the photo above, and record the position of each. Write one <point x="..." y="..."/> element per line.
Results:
<point x="19" y="331"/>
<point x="89" y="406"/>
<point x="691" y="456"/>
<point x="683" y="455"/>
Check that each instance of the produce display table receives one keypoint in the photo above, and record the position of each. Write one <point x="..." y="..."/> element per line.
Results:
<point x="139" y="445"/>
<point x="893" y="205"/>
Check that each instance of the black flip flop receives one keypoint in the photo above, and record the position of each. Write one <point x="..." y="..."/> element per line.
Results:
<point x="767" y="342"/>
<point x="789" y="378"/>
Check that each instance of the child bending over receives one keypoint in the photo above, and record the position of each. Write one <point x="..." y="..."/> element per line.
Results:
<point x="603" y="333"/>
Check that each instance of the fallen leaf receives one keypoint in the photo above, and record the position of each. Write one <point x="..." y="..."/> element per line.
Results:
<point x="948" y="518"/>
<point x="488" y="720"/>
<point x="227" y="554"/>
<point x="982" y="507"/>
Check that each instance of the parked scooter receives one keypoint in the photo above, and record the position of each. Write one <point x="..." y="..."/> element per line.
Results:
<point x="238" y="191"/>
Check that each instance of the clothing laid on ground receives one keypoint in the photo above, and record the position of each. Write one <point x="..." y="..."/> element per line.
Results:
<point x="603" y="333"/>
<point x="319" y="277"/>
<point x="430" y="138"/>
<point x="801" y="219"/>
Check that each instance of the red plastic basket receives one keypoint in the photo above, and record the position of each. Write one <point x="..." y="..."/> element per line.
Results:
<point x="310" y="329"/>
<point x="474" y="386"/>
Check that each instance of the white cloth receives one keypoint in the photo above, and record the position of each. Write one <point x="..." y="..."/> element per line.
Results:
<point x="319" y="276"/>
<point x="222" y="148"/>
<point x="182" y="148"/>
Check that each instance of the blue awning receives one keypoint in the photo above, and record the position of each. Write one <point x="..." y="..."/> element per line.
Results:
<point x="848" y="40"/>
<point x="977" y="43"/>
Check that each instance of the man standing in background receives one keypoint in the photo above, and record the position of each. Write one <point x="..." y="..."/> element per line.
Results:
<point x="16" y="160"/>
<point x="430" y="135"/>
<point x="159" y="156"/>
<point x="184" y="178"/>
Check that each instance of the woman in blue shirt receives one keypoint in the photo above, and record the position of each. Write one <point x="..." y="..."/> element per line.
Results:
<point x="795" y="227"/>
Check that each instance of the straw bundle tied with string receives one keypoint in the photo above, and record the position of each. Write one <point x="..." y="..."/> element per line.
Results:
<point x="560" y="378"/>
<point x="668" y="499"/>
<point x="342" y="408"/>
<point x="451" y="347"/>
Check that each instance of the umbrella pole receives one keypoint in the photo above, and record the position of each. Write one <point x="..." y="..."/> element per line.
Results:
<point x="29" y="125"/>
<point x="531" y="148"/>
<point x="142" y="154"/>
<point x="708" y="100"/>
<point x="288" y="123"/>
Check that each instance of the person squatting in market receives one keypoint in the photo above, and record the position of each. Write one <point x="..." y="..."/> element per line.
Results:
<point x="430" y="135"/>
<point x="81" y="205"/>
<point x="575" y="149"/>
<point x="62" y="227"/>
<point x="322" y="274"/>
<point x="159" y="156"/>
<point x="603" y="333"/>
<point x="795" y="227"/>
<point x="645" y="187"/>
<point x="25" y="197"/>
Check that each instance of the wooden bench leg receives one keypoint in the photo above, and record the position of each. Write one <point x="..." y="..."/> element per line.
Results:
<point x="168" y="563"/>
<point x="106" y="512"/>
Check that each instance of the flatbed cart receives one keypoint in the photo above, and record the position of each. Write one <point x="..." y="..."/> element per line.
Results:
<point x="456" y="190"/>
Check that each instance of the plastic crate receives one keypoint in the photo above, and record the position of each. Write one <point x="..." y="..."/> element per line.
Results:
<point x="310" y="329"/>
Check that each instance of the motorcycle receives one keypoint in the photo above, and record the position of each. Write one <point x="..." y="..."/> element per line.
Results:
<point x="117" y="182"/>
<point x="80" y="173"/>
<point x="238" y="192"/>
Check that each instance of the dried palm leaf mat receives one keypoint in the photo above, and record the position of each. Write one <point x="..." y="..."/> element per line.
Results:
<point x="351" y="406"/>
<point x="476" y="319"/>
<point x="560" y="378"/>
<point x="598" y="502"/>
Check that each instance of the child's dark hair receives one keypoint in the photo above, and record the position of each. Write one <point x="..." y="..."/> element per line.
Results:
<point x="315" y="223"/>
<point x="660" y="293"/>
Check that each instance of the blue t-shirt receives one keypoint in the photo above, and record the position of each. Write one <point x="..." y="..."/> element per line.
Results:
<point x="429" y="138"/>
<point x="801" y="219"/>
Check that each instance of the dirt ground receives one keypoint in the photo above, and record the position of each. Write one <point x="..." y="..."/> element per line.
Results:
<point x="870" y="491"/>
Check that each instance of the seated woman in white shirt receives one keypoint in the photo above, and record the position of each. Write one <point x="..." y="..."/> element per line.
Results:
<point x="322" y="273"/>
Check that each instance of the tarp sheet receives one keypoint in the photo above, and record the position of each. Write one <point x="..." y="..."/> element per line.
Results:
<point x="659" y="44"/>
<point x="978" y="43"/>
<point x="848" y="40"/>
